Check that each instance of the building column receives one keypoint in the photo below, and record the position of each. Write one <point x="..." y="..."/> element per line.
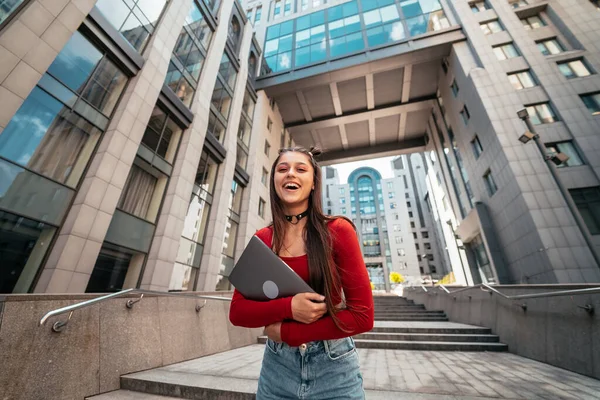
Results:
<point x="73" y="257"/>
<point x="163" y="253"/>
<point x="213" y="248"/>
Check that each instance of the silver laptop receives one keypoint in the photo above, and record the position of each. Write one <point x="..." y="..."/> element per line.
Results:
<point x="261" y="275"/>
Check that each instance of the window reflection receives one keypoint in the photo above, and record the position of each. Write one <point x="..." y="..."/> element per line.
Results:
<point x="23" y="244"/>
<point x="339" y="30"/>
<point x="7" y="7"/>
<point x="47" y="137"/>
<point x="135" y="19"/>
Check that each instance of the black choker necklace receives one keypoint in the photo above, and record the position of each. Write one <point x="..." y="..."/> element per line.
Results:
<point x="290" y="218"/>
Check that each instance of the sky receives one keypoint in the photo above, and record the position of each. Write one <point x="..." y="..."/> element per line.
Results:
<point x="382" y="165"/>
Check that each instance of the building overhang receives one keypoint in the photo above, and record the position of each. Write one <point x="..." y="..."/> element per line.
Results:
<point x="369" y="104"/>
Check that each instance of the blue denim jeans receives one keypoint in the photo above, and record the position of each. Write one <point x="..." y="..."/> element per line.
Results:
<point x="323" y="370"/>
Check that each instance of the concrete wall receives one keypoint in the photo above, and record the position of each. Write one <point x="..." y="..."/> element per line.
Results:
<point x="104" y="341"/>
<point x="553" y="330"/>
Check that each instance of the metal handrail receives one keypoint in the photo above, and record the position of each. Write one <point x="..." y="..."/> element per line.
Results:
<point x="59" y="325"/>
<point x="487" y="288"/>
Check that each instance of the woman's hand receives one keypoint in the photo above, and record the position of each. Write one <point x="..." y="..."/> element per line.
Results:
<point x="273" y="332"/>
<point x="305" y="310"/>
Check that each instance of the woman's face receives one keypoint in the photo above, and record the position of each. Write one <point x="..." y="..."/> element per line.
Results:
<point x="294" y="180"/>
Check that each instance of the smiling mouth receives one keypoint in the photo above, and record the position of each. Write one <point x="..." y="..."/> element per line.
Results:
<point x="291" y="186"/>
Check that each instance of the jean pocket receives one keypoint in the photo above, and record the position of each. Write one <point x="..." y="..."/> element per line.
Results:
<point x="339" y="349"/>
<point x="273" y="346"/>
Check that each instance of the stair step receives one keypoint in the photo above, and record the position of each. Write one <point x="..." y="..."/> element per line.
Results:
<point x="433" y="346"/>
<point x="442" y="331"/>
<point x="400" y="307"/>
<point x="409" y="312"/>
<point x="422" y="345"/>
<point x="425" y="318"/>
<point x="429" y="337"/>
<point x="129" y="395"/>
<point x="183" y="385"/>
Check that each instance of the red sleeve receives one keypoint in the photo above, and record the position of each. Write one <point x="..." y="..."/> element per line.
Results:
<point x="256" y="314"/>
<point x="359" y="313"/>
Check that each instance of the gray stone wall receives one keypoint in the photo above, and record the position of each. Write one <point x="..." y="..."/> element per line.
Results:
<point x="104" y="341"/>
<point x="554" y="330"/>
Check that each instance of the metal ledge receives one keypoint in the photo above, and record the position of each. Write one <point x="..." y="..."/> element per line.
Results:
<point x="177" y="110"/>
<point x="113" y="41"/>
<point x="241" y="176"/>
<point x="215" y="148"/>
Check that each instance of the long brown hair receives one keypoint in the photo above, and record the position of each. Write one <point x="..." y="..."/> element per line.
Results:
<point x="323" y="274"/>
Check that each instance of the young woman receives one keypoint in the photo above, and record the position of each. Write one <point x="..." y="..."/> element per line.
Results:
<point x="310" y="353"/>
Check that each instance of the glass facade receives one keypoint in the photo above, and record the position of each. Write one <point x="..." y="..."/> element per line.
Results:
<point x="191" y="245"/>
<point x="588" y="204"/>
<point x="45" y="149"/>
<point x="23" y="245"/>
<point x="189" y="55"/>
<point x="348" y="28"/>
<point x="229" y="240"/>
<point x="135" y="19"/>
<point x="244" y="130"/>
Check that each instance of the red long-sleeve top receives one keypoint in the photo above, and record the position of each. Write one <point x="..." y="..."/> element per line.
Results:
<point x="356" y="318"/>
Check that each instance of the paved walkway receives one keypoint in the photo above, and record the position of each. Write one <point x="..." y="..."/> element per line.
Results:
<point x="403" y="374"/>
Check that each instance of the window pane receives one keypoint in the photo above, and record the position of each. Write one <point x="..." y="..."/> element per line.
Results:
<point x="216" y="128"/>
<point x="23" y="244"/>
<point x="111" y="269"/>
<point x="515" y="81"/>
<point x="510" y="51"/>
<point x="152" y="9"/>
<point x="241" y="157"/>
<point x="106" y="86"/>
<point x="49" y="138"/>
<point x="116" y="12"/>
<point x="138" y="192"/>
<point x="569" y="150"/>
<point x="417" y="26"/>
<point x="411" y="8"/>
<point x="566" y="70"/>
<point x="284" y="61"/>
<point x="31" y="195"/>
<point x="207" y="173"/>
<point x="135" y="32"/>
<point x="592" y="102"/>
<point x="526" y="79"/>
<point x="499" y="53"/>
<point x="545" y="112"/>
<point x="579" y="68"/>
<point x="197" y="24"/>
<point x="75" y="63"/>
<point x="534" y="22"/>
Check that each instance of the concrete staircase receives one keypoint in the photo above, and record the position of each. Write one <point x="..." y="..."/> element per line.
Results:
<point x="399" y="325"/>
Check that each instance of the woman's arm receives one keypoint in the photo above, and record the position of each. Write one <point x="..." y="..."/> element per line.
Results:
<point x="359" y="313"/>
<point x="256" y="314"/>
